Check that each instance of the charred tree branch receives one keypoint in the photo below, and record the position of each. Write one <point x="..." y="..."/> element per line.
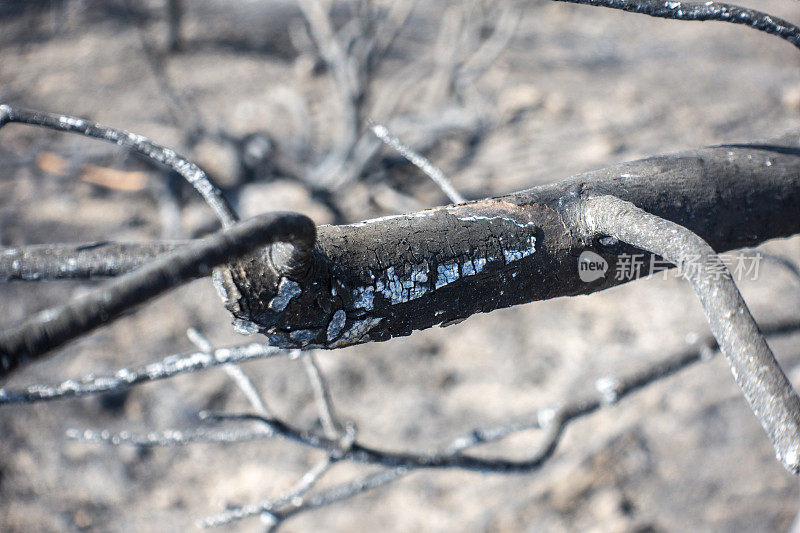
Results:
<point x="765" y="386"/>
<point x="45" y="262"/>
<point x="552" y="419"/>
<point x="123" y="378"/>
<point x="54" y="327"/>
<point x="160" y="154"/>
<point x="387" y="277"/>
<point x="703" y="11"/>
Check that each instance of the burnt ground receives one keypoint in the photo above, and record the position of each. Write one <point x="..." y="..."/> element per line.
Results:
<point x="578" y="88"/>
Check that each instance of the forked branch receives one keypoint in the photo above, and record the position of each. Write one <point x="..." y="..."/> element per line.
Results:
<point x="387" y="277"/>
<point x="554" y="420"/>
<point x="765" y="386"/>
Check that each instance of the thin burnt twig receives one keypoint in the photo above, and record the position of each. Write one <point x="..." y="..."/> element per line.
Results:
<point x="170" y="438"/>
<point x="267" y="506"/>
<point x="160" y="154"/>
<point x="702" y="11"/>
<point x="555" y="419"/>
<point x="419" y="161"/>
<point x="619" y="389"/>
<point x="322" y="396"/>
<point x="123" y="378"/>
<point x="234" y="371"/>
<point x="347" y="78"/>
<point x="294" y="497"/>
<point x="609" y="391"/>
<point x="341" y="492"/>
<point x="47" y="262"/>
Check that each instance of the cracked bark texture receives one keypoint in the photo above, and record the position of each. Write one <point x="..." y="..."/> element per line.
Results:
<point x="387" y="277"/>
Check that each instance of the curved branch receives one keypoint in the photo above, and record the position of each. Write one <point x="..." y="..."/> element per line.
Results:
<point x="54" y="327"/>
<point x="155" y="152"/>
<point x="608" y="391"/>
<point x="704" y="11"/>
<point x="765" y="386"/>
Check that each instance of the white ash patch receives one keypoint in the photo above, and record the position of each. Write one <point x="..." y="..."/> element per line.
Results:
<point x="448" y="273"/>
<point x="287" y="289"/>
<point x="72" y="121"/>
<point x="421" y="214"/>
<point x="475" y="218"/>
<point x="363" y="298"/>
<point x="356" y="332"/>
<point x="399" y="289"/>
<point x="336" y="324"/>
<point x="474" y="266"/>
<point x="245" y="327"/>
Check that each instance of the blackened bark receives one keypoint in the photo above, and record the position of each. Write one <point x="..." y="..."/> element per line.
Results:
<point x="384" y="278"/>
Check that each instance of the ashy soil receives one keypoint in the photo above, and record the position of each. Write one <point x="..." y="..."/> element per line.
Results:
<point x="577" y="88"/>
